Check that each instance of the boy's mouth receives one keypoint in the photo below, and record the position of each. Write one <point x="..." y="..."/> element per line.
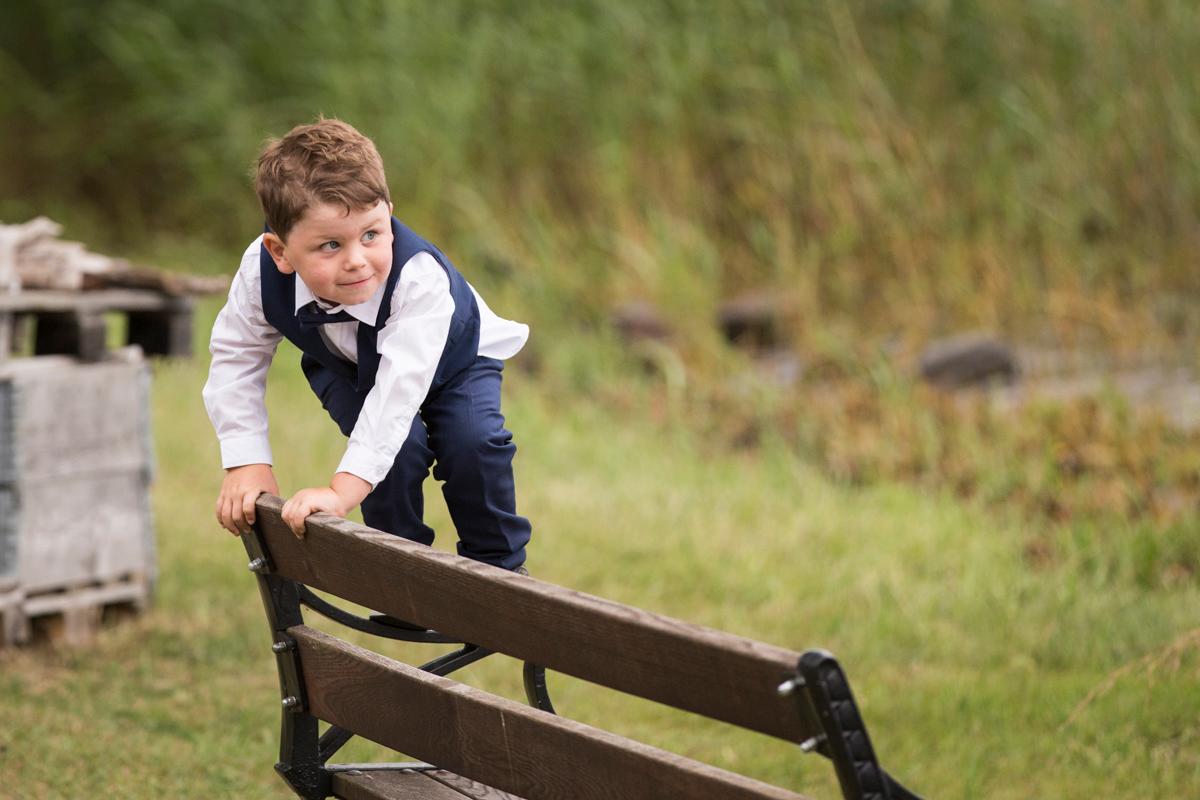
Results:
<point x="359" y="282"/>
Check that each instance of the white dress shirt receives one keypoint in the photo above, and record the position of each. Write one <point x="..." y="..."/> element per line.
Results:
<point x="410" y="345"/>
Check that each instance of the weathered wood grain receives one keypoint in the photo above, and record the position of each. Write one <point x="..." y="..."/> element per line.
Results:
<point x="68" y="615"/>
<point x="79" y="334"/>
<point x="133" y="590"/>
<point x="391" y="785"/>
<point x="719" y="675"/>
<point x="162" y="333"/>
<point x="472" y="789"/>
<point x="50" y="300"/>
<point x="14" y="625"/>
<point x="8" y="335"/>
<point x="496" y="741"/>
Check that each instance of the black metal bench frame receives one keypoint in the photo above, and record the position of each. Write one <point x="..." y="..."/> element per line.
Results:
<point x="303" y="752"/>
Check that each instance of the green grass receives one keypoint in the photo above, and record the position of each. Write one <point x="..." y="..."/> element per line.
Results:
<point x="968" y="663"/>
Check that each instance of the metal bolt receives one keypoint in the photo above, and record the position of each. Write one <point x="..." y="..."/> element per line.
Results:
<point x="291" y="701"/>
<point x="257" y="565"/>
<point x="281" y="647"/>
<point x="808" y="745"/>
<point x="789" y="686"/>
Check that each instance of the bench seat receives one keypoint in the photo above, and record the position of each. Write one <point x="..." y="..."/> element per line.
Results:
<point x="412" y="785"/>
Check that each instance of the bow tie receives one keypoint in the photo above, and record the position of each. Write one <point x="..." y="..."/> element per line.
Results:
<point x="311" y="316"/>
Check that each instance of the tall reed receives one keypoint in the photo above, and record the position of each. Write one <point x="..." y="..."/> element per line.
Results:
<point x="886" y="165"/>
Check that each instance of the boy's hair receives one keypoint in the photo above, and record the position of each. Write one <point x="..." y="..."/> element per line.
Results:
<point x="327" y="161"/>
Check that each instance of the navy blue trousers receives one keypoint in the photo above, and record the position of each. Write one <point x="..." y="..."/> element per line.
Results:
<point x="460" y="433"/>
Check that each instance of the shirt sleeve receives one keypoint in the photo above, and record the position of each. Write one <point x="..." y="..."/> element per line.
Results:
<point x="410" y="345"/>
<point x="242" y="346"/>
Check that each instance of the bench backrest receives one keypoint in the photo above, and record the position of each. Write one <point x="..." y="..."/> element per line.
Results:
<point x="520" y="749"/>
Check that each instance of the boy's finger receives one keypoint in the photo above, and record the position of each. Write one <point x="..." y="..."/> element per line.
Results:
<point x="235" y="513"/>
<point x="299" y="514"/>
<point x="289" y="515"/>
<point x="226" y="515"/>
<point x="296" y="526"/>
<point x="248" y="509"/>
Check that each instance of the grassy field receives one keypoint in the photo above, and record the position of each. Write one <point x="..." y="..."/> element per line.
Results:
<point x="980" y="676"/>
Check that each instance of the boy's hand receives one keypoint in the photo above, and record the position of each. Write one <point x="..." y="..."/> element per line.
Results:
<point x="344" y="492"/>
<point x="239" y="490"/>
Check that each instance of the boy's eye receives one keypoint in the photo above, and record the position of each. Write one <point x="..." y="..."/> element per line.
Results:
<point x="370" y="236"/>
<point x="329" y="246"/>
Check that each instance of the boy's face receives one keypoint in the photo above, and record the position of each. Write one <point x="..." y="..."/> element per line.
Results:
<point x="343" y="258"/>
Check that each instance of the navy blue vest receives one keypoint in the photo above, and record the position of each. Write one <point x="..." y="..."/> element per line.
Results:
<point x="279" y="307"/>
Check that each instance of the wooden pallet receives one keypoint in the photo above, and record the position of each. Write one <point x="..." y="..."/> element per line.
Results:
<point x="75" y="324"/>
<point x="69" y="616"/>
<point x="76" y="462"/>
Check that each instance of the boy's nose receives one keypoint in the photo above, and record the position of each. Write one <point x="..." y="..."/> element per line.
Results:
<point x="356" y="258"/>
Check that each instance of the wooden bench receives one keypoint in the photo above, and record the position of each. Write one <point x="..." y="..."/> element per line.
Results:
<point x="477" y="745"/>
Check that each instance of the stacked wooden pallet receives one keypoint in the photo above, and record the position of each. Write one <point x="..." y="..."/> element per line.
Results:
<point x="77" y="323"/>
<point x="76" y="539"/>
<point x="62" y="297"/>
<point x="76" y="535"/>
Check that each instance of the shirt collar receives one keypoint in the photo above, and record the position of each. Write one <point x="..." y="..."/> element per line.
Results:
<point x="367" y="311"/>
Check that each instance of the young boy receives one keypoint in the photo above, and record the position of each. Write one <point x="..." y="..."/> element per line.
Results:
<point x="403" y="353"/>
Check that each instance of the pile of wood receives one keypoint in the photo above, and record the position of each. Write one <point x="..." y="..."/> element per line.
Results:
<point x="56" y="298"/>
<point x="33" y="257"/>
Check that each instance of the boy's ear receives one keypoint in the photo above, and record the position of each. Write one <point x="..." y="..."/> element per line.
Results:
<point x="275" y="248"/>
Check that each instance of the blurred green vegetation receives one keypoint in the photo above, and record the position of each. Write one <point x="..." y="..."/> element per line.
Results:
<point x="893" y="165"/>
<point x="887" y="170"/>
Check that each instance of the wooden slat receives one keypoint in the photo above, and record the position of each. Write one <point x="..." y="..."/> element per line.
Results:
<point x="82" y="334"/>
<point x="131" y="589"/>
<point x="495" y="741"/>
<point x="391" y="785"/>
<point x="719" y="675"/>
<point x="472" y="789"/>
<point x="49" y="300"/>
<point x="434" y="784"/>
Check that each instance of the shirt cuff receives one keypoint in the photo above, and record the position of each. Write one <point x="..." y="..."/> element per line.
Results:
<point x="237" y="451"/>
<point x="362" y="462"/>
